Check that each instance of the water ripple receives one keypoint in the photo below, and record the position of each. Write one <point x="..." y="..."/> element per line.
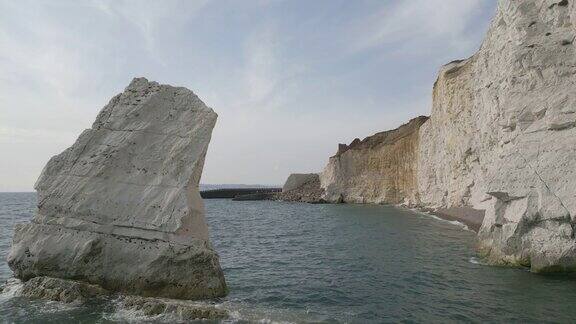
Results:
<point x="299" y="263"/>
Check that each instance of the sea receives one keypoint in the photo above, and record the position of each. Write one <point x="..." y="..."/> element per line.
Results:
<point x="302" y="263"/>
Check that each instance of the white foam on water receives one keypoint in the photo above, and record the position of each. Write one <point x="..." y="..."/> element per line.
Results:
<point x="136" y="316"/>
<point x="121" y="314"/>
<point x="456" y="223"/>
<point x="240" y="312"/>
<point x="477" y="261"/>
<point x="236" y="314"/>
<point x="269" y="321"/>
<point x="11" y="288"/>
<point x="462" y="225"/>
<point x="474" y="260"/>
<point x="50" y="307"/>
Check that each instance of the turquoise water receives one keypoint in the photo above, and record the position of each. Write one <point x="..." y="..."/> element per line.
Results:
<point x="290" y="262"/>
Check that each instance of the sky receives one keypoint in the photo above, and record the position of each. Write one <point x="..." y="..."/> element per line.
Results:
<point x="289" y="79"/>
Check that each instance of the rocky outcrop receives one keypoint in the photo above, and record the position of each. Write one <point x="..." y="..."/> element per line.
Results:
<point x="78" y="293"/>
<point x="379" y="169"/>
<point x="301" y="188"/>
<point x="120" y="208"/>
<point x="61" y="290"/>
<point x="500" y="139"/>
<point x="174" y="310"/>
<point x="297" y="180"/>
<point x="297" y="188"/>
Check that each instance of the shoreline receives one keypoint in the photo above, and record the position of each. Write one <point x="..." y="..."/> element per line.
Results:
<point x="470" y="217"/>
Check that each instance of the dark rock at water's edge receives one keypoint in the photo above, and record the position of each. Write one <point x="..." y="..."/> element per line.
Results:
<point x="298" y="180"/>
<point x="61" y="290"/>
<point x="176" y="309"/>
<point x="302" y="188"/>
<point x="77" y="293"/>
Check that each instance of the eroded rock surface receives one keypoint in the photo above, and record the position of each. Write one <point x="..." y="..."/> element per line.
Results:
<point x="301" y="188"/>
<point x="501" y="138"/>
<point x="120" y="208"/>
<point x="174" y="309"/>
<point x="61" y="290"/>
<point x="297" y="180"/>
<point x="379" y="169"/>
<point x="77" y="293"/>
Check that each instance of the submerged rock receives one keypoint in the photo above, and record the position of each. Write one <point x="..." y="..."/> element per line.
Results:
<point x="297" y="180"/>
<point x="501" y="139"/>
<point x="177" y="310"/>
<point x="121" y="208"/>
<point x="61" y="290"/>
<point x="302" y="188"/>
<point x="77" y="293"/>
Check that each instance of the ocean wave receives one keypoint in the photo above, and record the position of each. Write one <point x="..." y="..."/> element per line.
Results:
<point x="237" y="314"/>
<point x="134" y="316"/>
<point x="11" y="288"/>
<point x="244" y="313"/>
<point x="131" y="315"/>
<point x="478" y="261"/>
<point x="51" y="307"/>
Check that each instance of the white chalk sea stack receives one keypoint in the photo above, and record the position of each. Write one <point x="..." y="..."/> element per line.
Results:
<point x="121" y="208"/>
<point x="501" y="139"/>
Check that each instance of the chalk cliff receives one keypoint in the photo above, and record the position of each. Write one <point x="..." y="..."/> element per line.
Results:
<point x="501" y="138"/>
<point x="121" y="208"/>
<point x="379" y="169"/>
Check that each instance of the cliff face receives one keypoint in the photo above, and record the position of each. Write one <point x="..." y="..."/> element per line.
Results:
<point x="501" y="138"/>
<point x="120" y="208"/>
<point x="379" y="169"/>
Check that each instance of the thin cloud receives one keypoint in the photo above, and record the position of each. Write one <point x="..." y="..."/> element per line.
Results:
<point x="261" y="73"/>
<point x="306" y="75"/>
<point x="269" y="73"/>
<point x="148" y="17"/>
<point x="414" y="24"/>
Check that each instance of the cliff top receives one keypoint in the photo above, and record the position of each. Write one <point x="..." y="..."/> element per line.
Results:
<point x="384" y="138"/>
